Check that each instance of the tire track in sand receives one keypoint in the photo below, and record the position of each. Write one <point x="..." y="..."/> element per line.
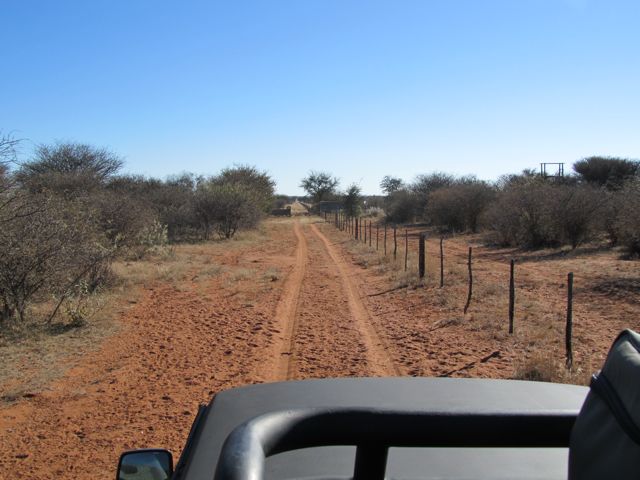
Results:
<point x="377" y="355"/>
<point x="285" y="313"/>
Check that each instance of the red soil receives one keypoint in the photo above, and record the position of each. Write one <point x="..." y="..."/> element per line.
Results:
<point x="319" y="317"/>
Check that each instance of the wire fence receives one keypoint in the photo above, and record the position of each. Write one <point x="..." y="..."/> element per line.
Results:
<point x="422" y="254"/>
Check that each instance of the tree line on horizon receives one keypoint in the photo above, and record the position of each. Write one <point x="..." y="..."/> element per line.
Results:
<point x="601" y="198"/>
<point x="68" y="212"/>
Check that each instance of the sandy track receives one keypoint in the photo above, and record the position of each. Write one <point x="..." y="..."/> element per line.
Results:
<point x="278" y="367"/>
<point x="325" y="327"/>
<point x="377" y="355"/>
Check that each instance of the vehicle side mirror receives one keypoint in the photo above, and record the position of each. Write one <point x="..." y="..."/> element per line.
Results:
<point x="148" y="464"/>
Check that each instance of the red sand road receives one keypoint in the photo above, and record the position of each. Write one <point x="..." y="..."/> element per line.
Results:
<point x="180" y="344"/>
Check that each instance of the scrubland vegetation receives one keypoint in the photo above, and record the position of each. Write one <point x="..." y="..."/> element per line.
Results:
<point x="67" y="214"/>
<point x="599" y="201"/>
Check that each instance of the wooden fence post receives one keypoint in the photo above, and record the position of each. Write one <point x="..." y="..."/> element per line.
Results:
<point x="421" y="256"/>
<point x="466" y="307"/>
<point x="406" y="248"/>
<point x="441" y="264"/>
<point x="512" y="295"/>
<point x="370" y="227"/>
<point x="357" y="228"/>
<point x="568" y="331"/>
<point x="377" y="235"/>
<point x="385" y="239"/>
<point x="365" y="232"/>
<point x="395" y="243"/>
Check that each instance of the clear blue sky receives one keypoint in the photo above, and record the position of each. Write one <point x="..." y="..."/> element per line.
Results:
<point x="357" y="88"/>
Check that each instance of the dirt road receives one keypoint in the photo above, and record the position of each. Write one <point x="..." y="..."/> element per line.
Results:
<point x="299" y="301"/>
<point x="180" y="344"/>
<point x="327" y="328"/>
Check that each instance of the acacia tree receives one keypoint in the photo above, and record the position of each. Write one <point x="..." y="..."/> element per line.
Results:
<point x="69" y="168"/>
<point x="14" y="202"/>
<point x="391" y="184"/>
<point x="8" y="146"/>
<point x="49" y="251"/>
<point x="459" y="207"/>
<point x="352" y="199"/>
<point x="607" y="172"/>
<point x="425" y="185"/>
<point x="260" y="183"/>
<point x="225" y="207"/>
<point x="319" y="185"/>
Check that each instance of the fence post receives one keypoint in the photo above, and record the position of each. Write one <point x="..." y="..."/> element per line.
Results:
<point x="512" y="295"/>
<point x="365" y="232"/>
<point x="377" y="236"/>
<point x="466" y="307"/>
<point x="357" y="228"/>
<point x="568" y="331"/>
<point x="395" y="242"/>
<point x="441" y="264"/>
<point x="385" y="239"/>
<point x="421" y="256"/>
<point x="406" y="248"/>
<point x="370" y="226"/>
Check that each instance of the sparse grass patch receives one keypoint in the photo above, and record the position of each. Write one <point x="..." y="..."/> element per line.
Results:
<point x="271" y="274"/>
<point x="544" y="367"/>
<point x="241" y="274"/>
<point x="539" y="367"/>
<point x="402" y="278"/>
<point x="211" y="270"/>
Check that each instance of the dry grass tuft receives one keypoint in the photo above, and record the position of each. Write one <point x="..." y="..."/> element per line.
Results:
<point x="540" y="367"/>
<point x="272" y="274"/>
<point x="240" y="274"/>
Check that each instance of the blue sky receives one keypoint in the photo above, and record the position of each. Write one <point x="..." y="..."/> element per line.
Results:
<point x="361" y="89"/>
